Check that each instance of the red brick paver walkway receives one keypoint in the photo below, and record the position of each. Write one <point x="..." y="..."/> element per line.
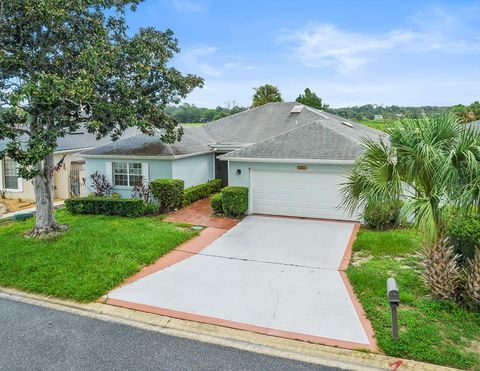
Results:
<point x="201" y="213"/>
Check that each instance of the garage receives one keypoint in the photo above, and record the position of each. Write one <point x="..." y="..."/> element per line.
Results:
<point x="314" y="194"/>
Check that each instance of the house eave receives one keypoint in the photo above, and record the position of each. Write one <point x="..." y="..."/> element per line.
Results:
<point x="143" y="157"/>
<point x="288" y="160"/>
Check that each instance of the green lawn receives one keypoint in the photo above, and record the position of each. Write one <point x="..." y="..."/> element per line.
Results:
<point x="376" y="124"/>
<point x="430" y="331"/>
<point x="95" y="255"/>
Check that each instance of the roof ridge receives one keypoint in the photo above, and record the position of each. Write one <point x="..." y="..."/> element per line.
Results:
<point x="272" y="137"/>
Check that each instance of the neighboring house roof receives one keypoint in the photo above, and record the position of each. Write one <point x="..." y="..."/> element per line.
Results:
<point x="81" y="139"/>
<point x="194" y="140"/>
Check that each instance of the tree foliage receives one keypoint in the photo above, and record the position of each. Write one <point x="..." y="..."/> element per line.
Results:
<point x="430" y="163"/>
<point x="66" y="63"/>
<point x="265" y="94"/>
<point x="189" y="113"/>
<point x="311" y="99"/>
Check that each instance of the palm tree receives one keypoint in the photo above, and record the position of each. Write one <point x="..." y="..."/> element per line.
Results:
<point x="265" y="94"/>
<point x="428" y="163"/>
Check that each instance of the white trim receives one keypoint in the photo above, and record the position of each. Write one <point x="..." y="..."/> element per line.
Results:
<point x="109" y="171"/>
<point x="228" y="172"/>
<point x="214" y="167"/>
<point x="288" y="160"/>
<point x="145" y="172"/>
<point x="134" y="157"/>
<point x="2" y="176"/>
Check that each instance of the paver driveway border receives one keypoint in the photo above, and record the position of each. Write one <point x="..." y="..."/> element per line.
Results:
<point x="206" y="237"/>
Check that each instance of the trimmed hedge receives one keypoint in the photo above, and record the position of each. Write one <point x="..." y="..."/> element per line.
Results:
<point x="105" y="206"/>
<point x="216" y="203"/>
<point x="235" y="200"/>
<point x="201" y="191"/>
<point x="168" y="192"/>
<point x="385" y="216"/>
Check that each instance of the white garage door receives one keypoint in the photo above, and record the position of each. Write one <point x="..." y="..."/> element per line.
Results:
<point x="298" y="193"/>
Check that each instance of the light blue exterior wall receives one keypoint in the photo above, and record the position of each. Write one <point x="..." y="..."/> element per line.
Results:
<point x="194" y="170"/>
<point x="243" y="179"/>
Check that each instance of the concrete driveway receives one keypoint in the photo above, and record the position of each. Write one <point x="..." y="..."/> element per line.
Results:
<point x="277" y="276"/>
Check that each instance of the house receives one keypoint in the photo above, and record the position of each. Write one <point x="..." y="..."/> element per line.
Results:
<point x="293" y="158"/>
<point x="68" y="180"/>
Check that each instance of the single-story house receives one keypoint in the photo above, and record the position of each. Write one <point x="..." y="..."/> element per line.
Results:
<point x="293" y="158"/>
<point x="68" y="180"/>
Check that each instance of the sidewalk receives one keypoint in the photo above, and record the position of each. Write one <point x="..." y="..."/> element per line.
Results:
<point x="29" y="210"/>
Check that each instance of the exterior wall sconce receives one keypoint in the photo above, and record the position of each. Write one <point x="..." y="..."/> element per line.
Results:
<point x="239" y="171"/>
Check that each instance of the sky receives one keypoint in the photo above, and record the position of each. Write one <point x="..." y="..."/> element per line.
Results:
<point x="349" y="52"/>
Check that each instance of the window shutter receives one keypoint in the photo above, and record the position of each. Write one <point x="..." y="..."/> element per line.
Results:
<point x="145" y="171"/>
<point x="109" y="172"/>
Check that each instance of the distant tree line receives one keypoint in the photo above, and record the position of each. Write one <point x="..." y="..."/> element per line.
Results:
<point x="268" y="93"/>
<point x="376" y="111"/>
<point x="188" y="113"/>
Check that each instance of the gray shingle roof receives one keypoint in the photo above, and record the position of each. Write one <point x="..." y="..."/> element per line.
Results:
<point x="322" y="139"/>
<point x="194" y="140"/>
<point x="327" y="136"/>
<point x="79" y="140"/>
<point x="260" y="123"/>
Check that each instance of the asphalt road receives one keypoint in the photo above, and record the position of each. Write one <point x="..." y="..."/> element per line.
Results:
<point x="37" y="338"/>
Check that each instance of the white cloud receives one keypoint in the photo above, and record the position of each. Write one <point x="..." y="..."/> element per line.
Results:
<point x="187" y="6"/>
<point x="195" y="59"/>
<point x="328" y="45"/>
<point x="436" y="30"/>
<point x="209" y="61"/>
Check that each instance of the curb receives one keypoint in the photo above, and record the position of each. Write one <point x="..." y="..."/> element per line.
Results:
<point x="218" y="335"/>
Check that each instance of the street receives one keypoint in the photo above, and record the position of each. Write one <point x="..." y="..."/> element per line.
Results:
<point x="34" y="337"/>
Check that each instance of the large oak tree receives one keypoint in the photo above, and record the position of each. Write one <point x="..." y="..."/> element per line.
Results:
<point x="67" y="63"/>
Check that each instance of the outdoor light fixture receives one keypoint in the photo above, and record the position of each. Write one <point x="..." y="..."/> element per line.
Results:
<point x="394" y="300"/>
<point x="239" y="171"/>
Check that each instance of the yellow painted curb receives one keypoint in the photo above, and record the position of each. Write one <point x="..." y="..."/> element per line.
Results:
<point x="223" y="336"/>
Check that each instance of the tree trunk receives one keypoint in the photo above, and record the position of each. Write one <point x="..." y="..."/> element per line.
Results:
<point x="43" y="185"/>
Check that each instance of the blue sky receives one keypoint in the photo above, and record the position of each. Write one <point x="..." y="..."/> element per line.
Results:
<point x="348" y="52"/>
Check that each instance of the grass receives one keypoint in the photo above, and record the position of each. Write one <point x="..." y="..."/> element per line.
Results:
<point x="378" y="124"/>
<point x="94" y="256"/>
<point x="432" y="331"/>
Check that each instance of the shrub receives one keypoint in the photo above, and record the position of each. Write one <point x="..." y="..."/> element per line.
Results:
<point x="168" y="192"/>
<point x="201" y="191"/>
<point x="100" y="184"/>
<point x="151" y="209"/>
<point x="105" y="206"/>
<point x="463" y="231"/>
<point x="384" y="216"/>
<point x="235" y="200"/>
<point x="115" y="195"/>
<point x="216" y="203"/>
<point x="142" y="191"/>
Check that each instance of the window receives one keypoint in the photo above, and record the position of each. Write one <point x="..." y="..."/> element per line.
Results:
<point x="127" y="174"/>
<point x="10" y="174"/>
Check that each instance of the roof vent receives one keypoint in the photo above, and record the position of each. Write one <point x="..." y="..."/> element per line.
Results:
<point x="346" y="123"/>
<point x="296" y="109"/>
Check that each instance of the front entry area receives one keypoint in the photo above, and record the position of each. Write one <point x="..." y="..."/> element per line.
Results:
<point x="270" y="275"/>
<point x="311" y="194"/>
